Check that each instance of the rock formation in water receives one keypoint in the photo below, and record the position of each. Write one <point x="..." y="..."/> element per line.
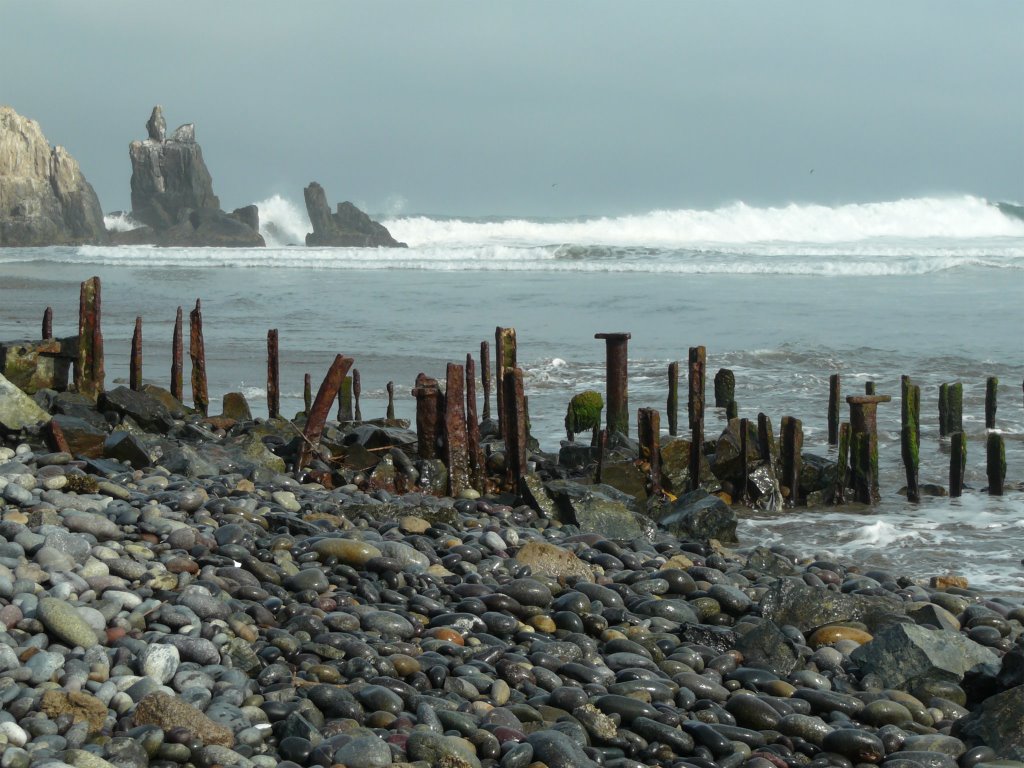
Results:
<point x="44" y="198"/>
<point x="172" y="194"/>
<point x="348" y="227"/>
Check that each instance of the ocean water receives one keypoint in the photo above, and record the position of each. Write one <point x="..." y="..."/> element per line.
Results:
<point x="784" y="297"/>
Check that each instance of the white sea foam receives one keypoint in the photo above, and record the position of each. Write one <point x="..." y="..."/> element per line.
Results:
<point x="120" y="222"/>
<point x="282" y="222"/>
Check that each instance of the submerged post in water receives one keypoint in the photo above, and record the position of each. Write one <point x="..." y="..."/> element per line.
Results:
<point x="833" y="408"/>
<point x="485" y="378"/>
<point x="864" y="421"/>
<point x="177" y="360"/>
<point x="273" y="376"/>
<point x="995" y="463"/>
<point x="616" y="381"/>
<point x="135" y="358"/>
<point x="991" y="393"/>
<point x="648" y="428"/>
<point x="725" y="388"/>
<point x="672" y="406"/>
<point x="197" y="351"/>
<point x="792" y="443"/>
<point x="910" y="434"/>
<point x="957" y="463"/>
<point x="951" y="408"/>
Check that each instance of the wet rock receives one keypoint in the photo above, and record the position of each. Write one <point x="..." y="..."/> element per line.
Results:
<point x="805" y="607"/>
<point x="346" y="227"/>
<point x="18" y="411"/>
<point x="171" y="712"/>
<point x="698" y="515"/>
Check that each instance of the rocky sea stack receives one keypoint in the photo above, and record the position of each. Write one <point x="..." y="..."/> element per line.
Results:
<point x="347" y="227"/>
<point x="44" y="197"/>
<point x="172" y="194"/>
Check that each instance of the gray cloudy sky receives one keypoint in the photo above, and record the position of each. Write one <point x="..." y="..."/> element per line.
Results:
<point x="480" y="108"/>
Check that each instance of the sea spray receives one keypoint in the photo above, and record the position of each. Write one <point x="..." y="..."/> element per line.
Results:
<point x="282" y="222"/>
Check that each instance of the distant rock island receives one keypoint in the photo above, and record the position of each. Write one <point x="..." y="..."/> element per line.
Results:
<point x="44" y="197"/>
<point x="46" y="200"/>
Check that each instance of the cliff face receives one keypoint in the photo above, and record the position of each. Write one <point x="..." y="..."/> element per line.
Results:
<point x="44" y="198"/>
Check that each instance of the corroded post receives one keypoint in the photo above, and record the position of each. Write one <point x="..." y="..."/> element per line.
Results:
<point x="55" y="437"/>
<point x="345" y="400"/>
<point x="792" y="442"/>
<point x="307" y="393"/>
<point x="428" y="406"/>
<point x="910" y="434"/>
<point x="197" y="351"/>
<point x="273" y="376"/>
<point x="995" y="457"/>
<point x="861" y="463"/>
<point x="648" y="428"/>
<point x="741" y="495"/>
<point x="357" y="390"/>
<point x="864" y="421"/>
<point x="391" y="401"/>
<point x="672" y="406"/>
<point x="456" y="449"/>
<point x="842" y="465"/>
<point x="321" y="408"/>
<point x="869" y="387"/>
<point x="135" y="359"/>
<point x="765" y="440"/>
<point x="616" y="381"/>
<point x="504" y="360"/>
<point x="89" y="363"/>
<point x="476" y="456"/>
<point x="177" y="360"/>
<point x="698" y="359"/>
<point x="515" y="422"/>
<point x="725" y="388"/>
<point x="957" y="463"/>
<point x="485" y="377"/>
<point x="48" y="323"/>
<point x="732" y="410"/>
<point x="951" y="408"/>
<point x="833" y="408"/>
<point x="991" y="393"/>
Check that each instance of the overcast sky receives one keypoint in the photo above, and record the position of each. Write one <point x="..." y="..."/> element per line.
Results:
<point x="536" y="108"/>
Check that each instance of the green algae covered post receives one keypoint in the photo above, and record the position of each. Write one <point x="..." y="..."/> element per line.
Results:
<point x="957" y="463"/>
<point x="725" y="388"/>
<point x="910" y="434"/>
<point x="991" y="394"/>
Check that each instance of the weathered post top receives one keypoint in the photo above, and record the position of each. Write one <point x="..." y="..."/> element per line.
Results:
<point x="867" y="399"/>
<point x="613" y="337"/>
<point x="616" y="381"/>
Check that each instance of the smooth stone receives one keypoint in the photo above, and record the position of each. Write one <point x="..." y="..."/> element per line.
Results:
<point x="64" y="623"/>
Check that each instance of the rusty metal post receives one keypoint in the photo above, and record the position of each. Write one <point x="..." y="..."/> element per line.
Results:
<point x="741" y="497"/>
<point x="345" y="400"/>
<point x="991" y="395"/>
<point x="957" y="463"/>
<point x="648" y="428"/>
<point x="89" y="363"/>
<point x="357" y="390"/>
<point x="995" y="461"/>
<point x="910" y="434"/>
<point x="456" y="449"/>
<point x="672" y="406"/>
<point x="177" y="360"/>
<point x="842" y="465"/>
<point x="864" y="421"/>
<point x="476" y="456"/>
<point x="616" y="381"/>
<point x="504" y="360"/>
<point x="725" y="388"/>
<point x="307" y="393"/>
<point x="791" y="440"/>
<point x="698" y="359"/>
<point x="485" y="377"/>
<point x="197" y="351"/>
<point x="765" y="439"/>
<point x="833" y="408"/>
<point x="869" y="387"/>
<point x="732" y="410"/>
<point x="135" y="359"/>
<point x="48" y="323"/>
<point x="864" y="480"/>
<point x="515" y="423"/>
<point x="391" y="401"/>
<point x="273" y="375"/>
<point x="321" y="408"/>
<point x="428" y="406"/>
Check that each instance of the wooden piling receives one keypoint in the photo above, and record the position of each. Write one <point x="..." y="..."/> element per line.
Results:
<point x="428" y="408"/>
<point x="357" y="390"/>
<point x="307" y="393"/>
<point x="456" y="449"/>
<point x="648" y="428"/>
<point x="504" y="359"/>
<point x="991" y="394"/>
<point x="862" y="466"/>
<point x="842" y="465"/>
<point x="135" y="358"/>
<point x="321" y="408"/>
<point x="485" y="378"/>
<point x="995" y="451"/>
<point x="476" y="456"/>
<point x="792" y="443"/>
<point x="345" y="400"/>
<point x="869" y="387"/>
<point x="732" y="410"/>
<point x="864" y="420"/>
<point x="951" y="408"/>
<point x="89" y="362"/>
<point x="616" y="381"/>
<point x="197" y="352"/>
<point x="741" y="492"/>
<point x="725" y="388"/>
<point x="834" y="405"/>
<point x="957" y="463"/>
<point x="764" y="439"/>
<point x="672" y="405"/>
<point x="273" y="376"/>
<point x="910" y="434"/>
<point x="47" y="323"/>
<point x="516" y="428"/>
<point x="177" y="360"/>
<point x="390" y="413"/>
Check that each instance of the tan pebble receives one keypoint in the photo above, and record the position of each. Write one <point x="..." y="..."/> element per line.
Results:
<point x="834" y="634"/>
<point x="677" y="561"/>
<point x="412" y="524"/>
<point x="947" y="581"/>
<point x="779" y="688"/>
<point x="245" y="486"/>
<point x="15" y="516"/>
<point x="543" y="624"/>
<point x="404" y="665"/>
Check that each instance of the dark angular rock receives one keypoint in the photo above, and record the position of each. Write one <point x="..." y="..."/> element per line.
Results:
<point x="83" y="438"/>
<point x="698" y="515"/>
<point x="597" y="509"/>
<point x="146" y="410"/>
<point x="348" y="227"/>
<point x="124" y="446"/>
<point x="805" y="607"/>
<point x="767" y="647"/>
<point x="996" y="724"/>
<point x="727" y="464"/>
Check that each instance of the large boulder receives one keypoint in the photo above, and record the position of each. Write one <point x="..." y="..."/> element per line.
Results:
<point x="789" y="601"/>
<point x="18" y="411"/>
<point x="172" y="194"/>
<point x="698" y="515"/>
<point x="44" y="197"/>
<point x="347" y="227"/>
<point x="996" y="724"/>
